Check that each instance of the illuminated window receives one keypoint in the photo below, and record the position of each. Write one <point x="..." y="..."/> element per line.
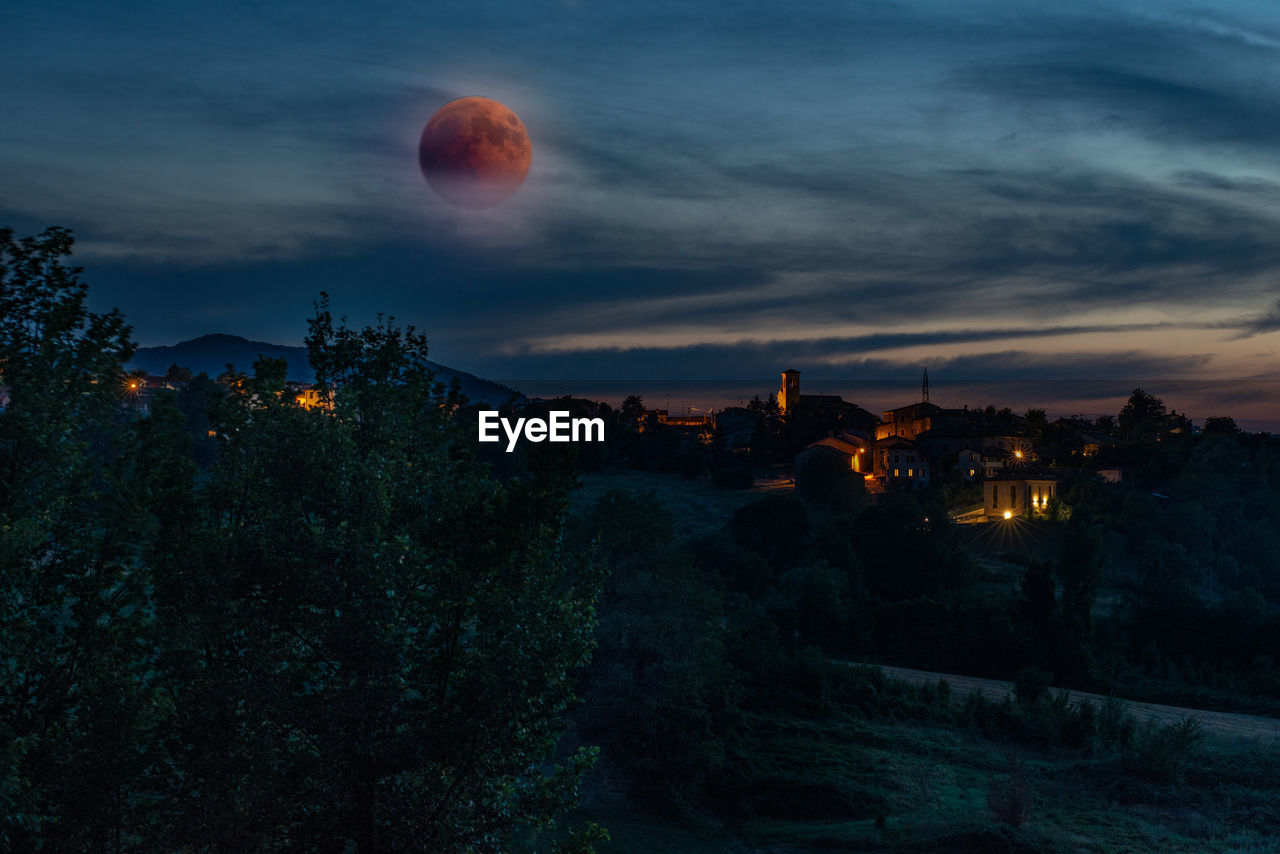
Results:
<point x="970" y="472"/>
<point x="911" y="472"/>
<point x="895" y="472"/>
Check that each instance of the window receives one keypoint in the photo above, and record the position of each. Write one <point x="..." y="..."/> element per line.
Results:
<point x="895" y="472"/>
<point x="911" y="472"/>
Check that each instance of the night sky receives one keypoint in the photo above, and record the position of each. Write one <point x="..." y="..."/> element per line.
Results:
<point x="1000" y="189"/>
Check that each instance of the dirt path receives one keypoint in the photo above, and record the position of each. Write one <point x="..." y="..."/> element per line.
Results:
<point x="1259" y="730"/>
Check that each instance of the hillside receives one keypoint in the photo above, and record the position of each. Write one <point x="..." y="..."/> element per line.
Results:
<point x="212" y="353"/>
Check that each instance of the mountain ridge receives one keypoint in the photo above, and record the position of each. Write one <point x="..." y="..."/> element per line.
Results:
<point x="212" y="353"/>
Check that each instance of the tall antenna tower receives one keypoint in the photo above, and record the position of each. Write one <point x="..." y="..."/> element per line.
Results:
<point x="924" y="387"/>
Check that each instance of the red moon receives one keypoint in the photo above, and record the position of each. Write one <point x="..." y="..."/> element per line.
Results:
<point x="475" y="152"/>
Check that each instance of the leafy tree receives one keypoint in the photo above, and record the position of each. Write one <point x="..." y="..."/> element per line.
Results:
<point x="1080" y="568"/>
<point x="659" y="690"/>
<point x="78" y="705"/>
<point x="632" y="411"/>
<point x="1036" y="424"/>
<point x="176" y="373"/>
<point x="1139" y="417"/>
<point x="1221" y="426"/>
<point x="371" y="641"/>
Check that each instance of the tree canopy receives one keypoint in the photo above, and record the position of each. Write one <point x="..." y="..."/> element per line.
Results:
<point x="338" y="634"/>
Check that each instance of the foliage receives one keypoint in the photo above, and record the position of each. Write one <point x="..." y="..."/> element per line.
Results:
<point x="340" y="635"/>
<point x="1010" y="799"/>
<point x="660" y="691"/>
<point x="1163" y="753"/>
<point x="79" y="707"/>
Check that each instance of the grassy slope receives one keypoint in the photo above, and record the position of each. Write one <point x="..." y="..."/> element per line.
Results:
<point x="933" y="783"/>
<point x="933" y="779"/>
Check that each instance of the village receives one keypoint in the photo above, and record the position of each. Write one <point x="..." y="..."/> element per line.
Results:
<point x="1010" y="464"/>
<point x="1016" y="460"/>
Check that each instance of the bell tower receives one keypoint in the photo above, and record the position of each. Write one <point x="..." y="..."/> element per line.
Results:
<point x="789" y="394"/>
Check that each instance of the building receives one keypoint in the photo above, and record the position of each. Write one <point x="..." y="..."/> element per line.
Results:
<point x="736" y="427"/>
<point x="1010" y="495"/>
<point x="907" y="421"/>
<point x="899" y="463"/>
<point x="849" y="449"/>
<point x="850" y="417"/>
<point x="973" y="436"/>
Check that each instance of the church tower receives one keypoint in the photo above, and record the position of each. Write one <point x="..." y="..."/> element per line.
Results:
<point x="789" y="394"/>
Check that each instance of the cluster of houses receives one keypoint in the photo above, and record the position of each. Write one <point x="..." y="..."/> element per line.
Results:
<point x="907" y="447"/>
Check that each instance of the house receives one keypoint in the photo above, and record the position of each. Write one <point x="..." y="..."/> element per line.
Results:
<point x="907" y="421"/>
<point x="969" y="463"/>
<point x="898" y="462"/>
<point x="850" y="450"/>
<point x="736" y="426"/>
<point x="138" y="390"/>
<point x="975" y="435"/>
<point x="1077" y="437"/>
<point x="1017" y="494"/>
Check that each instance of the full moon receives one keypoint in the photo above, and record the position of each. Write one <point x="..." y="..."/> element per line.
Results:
<point x="475" y="152"/>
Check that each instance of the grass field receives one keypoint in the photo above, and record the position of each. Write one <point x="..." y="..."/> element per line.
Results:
<point x="929" y="785"/>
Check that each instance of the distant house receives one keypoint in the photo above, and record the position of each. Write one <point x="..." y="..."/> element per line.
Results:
<point x="907" y="421"/>
<point x="1079" y="438"/>
<point x="898" y="462"/>
<point x="1116" y="475"/>
<point x="139" y="389"/>
<point x="850" y="450"/>
<point x="969" y="463"/>
<point x="1010" y="495"/>
<point x="736" y="426"/>
<point x="306" y="396"/>
<point x="972" y="436"/>
<point x="684" y="422"/>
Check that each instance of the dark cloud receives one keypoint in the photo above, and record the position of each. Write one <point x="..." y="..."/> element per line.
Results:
<point x="747" y="359"/>
<point x="1261" y="324"/>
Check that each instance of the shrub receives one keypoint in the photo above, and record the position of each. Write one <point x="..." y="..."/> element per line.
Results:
<point x="1115" y="726"/>
<point x="1030" y="685"/>
<point x="1163" y="752"/>
<point x="1010" y="799"/>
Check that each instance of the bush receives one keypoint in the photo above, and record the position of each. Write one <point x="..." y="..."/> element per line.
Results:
<point x="1030" y="685"/>
<point x="1162" y="753"/>
<point x="1010" y="799"/>
<point x="1115" y="725"/>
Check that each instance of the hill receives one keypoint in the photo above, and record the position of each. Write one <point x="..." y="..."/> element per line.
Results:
<point x="212" y="353"/>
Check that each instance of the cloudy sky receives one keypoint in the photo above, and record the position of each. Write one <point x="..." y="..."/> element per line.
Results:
<point x="993" y="189"/>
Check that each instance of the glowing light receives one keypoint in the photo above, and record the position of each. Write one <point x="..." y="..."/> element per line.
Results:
<point x="1018" y="454"/>
<point x="1008" y="514"/>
